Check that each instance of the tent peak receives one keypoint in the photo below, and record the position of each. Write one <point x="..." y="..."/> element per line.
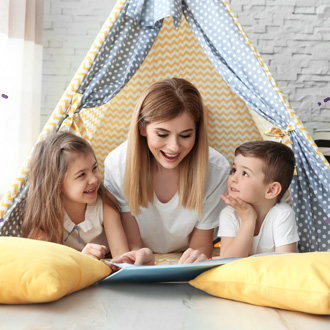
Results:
<point x="150" y="13"/>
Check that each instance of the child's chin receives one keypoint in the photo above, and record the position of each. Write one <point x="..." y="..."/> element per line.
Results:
<point x="91" y="198"/>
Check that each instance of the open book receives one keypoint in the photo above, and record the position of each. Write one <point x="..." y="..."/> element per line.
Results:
<point x="163" y="273"/>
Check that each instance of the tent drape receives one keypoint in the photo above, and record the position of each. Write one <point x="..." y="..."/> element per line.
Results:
<point x="227" y="46"/>
<point x="239" y="64"/>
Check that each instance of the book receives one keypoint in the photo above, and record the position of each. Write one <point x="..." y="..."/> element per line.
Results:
<point x="163" y="273"/>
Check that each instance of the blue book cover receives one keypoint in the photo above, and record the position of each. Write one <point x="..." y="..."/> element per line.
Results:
<point x="163" y="273"/>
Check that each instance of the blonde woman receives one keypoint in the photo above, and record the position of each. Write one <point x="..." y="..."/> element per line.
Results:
<point x="165" y="178"/>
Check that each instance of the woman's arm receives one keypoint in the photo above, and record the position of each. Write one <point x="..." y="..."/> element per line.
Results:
<point x="138" y="255"/>
<point x="114" y="231"/>
<point x="200" y="246"/>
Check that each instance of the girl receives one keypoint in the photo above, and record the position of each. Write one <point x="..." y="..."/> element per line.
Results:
<point x="165" y="177"/>
<point x="67" y="202"/>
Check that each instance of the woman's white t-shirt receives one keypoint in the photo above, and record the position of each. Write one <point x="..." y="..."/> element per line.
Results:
<point x="166" y="227"/>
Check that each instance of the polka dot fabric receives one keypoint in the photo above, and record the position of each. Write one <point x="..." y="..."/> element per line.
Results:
<point x="122" y="53"/>
<point x="233" y="55"/>
<point x="125" y="48"/>
<point x="310" y="197"/>
<point x="227" y="46"/>
<point x="12" y="226"/>
<point x="151" y="13"/>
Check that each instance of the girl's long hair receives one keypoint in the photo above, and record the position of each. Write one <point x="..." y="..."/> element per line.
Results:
<point x="49" y="164"/>
<point x="163" y="101"/>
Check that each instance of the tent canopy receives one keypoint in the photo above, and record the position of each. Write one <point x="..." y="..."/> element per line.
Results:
<point x="144" y="41"/>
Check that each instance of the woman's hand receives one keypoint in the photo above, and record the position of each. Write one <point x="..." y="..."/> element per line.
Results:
<point x="191" y="256"/>
<point x="200" y="246"/>
<point x="143" y="256"/>
<point x="95" y="251"/>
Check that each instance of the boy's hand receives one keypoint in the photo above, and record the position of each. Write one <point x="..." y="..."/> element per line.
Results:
<point x="142" y="256"/>
<point x="95" y="251"/>
<point x="245" y="210"/>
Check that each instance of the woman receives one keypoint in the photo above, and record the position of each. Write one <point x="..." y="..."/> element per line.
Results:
<point x="166" y="179"/>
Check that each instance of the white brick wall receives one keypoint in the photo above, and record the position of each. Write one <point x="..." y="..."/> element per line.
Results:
<point x="70" y="27"/>
<point x="293" y="37"/>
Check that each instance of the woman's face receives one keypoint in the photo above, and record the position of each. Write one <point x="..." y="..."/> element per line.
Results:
<point x="171" y="141"/>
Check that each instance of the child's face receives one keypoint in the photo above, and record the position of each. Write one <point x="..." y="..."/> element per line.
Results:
<point x="82" y="180"/>
<point x="247" y="180"/>
<point x="171" y="141"/>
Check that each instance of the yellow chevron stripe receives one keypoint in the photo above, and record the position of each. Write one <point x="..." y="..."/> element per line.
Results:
<point x="177" y="53"/>
<point x="174" y="53"/>
<point x="71" y="89"/>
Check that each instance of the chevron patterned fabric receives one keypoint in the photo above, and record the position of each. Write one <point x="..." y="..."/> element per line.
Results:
<point x="178" y="53"/>
<point x="144" y="41"/>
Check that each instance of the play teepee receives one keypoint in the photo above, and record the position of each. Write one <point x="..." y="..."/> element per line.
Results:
<point x="144" y="41"/>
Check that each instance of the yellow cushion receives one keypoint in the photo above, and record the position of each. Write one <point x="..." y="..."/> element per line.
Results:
<point x="297" y="281"/>
<point x="34" y="271"/>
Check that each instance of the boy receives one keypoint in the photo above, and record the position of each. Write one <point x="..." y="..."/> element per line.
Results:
<point x="256" y="220"/>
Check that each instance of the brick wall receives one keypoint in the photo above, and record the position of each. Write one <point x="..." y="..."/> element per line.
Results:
<point x="293" y="37"/>
<point x="70" y="27"/>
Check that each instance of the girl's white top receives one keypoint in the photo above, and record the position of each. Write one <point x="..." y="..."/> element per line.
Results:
<point x="88" y="231"/>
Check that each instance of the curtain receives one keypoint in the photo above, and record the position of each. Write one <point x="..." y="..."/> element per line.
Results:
<point x="241" y="66"/>
<point x="21" y="24"/>
<point x="112" y="62"/>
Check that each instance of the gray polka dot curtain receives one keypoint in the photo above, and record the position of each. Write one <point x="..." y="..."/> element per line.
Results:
<point x="226" y="44"/>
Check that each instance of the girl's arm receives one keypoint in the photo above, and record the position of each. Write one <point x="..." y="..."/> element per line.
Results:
<point x="96" y="251"/>
<point x="200" y="246"/>
<point x="114" y="231"/>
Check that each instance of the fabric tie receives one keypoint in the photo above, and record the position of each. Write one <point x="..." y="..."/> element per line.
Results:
<point x="278" y="133"/>
<point x="74" y="122"/>
<point x="78" y="230"/>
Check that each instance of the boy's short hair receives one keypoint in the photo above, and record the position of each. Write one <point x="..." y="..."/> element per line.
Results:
<point x="279" y="161"/>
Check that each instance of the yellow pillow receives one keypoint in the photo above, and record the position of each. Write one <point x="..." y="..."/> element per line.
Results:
<point x="295" y="281"/>
<point x="34" y="271"/>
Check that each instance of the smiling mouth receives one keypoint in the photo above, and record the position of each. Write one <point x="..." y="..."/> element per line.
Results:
<point x="90" y="191"/>
<point x="170" y="157"/>
<point x="234" y="190"/>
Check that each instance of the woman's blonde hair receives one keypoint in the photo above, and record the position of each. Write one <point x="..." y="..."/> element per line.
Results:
<point x="163" y="101"/>
<point x="49" y="164"/>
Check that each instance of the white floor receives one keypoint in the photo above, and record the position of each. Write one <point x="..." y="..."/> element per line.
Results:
<point x="152" y="307"/>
